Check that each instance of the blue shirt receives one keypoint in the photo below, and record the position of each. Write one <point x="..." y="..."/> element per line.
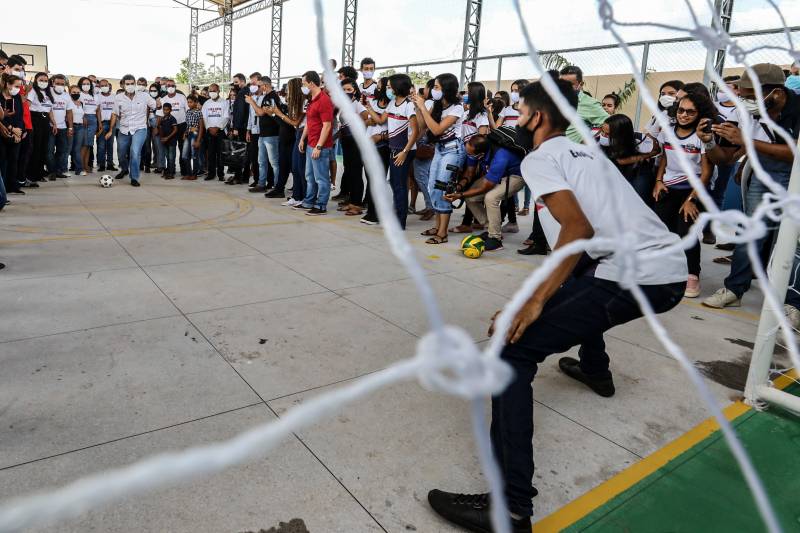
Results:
<point x="497" y="166"/>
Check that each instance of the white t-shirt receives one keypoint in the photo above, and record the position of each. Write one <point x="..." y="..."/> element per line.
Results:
<point x="345" y="127"/>
<point x="378" y="128"/>
<point x="692" y="146"/>
<point x="509" y="115"/>
<point x="759" y="132"/>
<point x="36" y="105"/>
<point x="369" y="91"/>
<point x="398" y="126"/>
<point x="89" y="103"/>
<point x="470" y="127"/>
<point x="77" y="112"/>
<point x="725" y="112"/>
<point x="61" y="104"/>
<point x="216" y="113"/>
<point x="179" y="107"/>
<point x="559" y="164"/>
<point x="455" y="131"/>
<point x="106" y="103"/>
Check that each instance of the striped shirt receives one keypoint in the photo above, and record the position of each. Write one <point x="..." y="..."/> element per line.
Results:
<point x="509" y="116"/>
<point x="470" y="127"/>
<point x="399" y="116"/>
<point x="692" y="146"/>
<point x="455" y="131"/>
<point x="193" y="117"/>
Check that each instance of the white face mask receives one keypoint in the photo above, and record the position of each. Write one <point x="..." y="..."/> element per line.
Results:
<point x="59" y="89"/>
<point x="154" y="94"/>
<point x="436" y="94"/>
<point x="105" y="90"/>
<point x="42" y="85"/>
<point x="213" y="95"/>
<point x="141" y="88"/>
<point x="85" y="87"/>
<point x="368" y="74"/>
<point x="130" y="88"/>
<point x="514" y="97"/>
<point x="20" y="74"/>
<point x="666" y="100"/>
<point x="305" y="90"/>
<point x="171" y="90"/>
<point x="722" y="97"/>
<point x="14" y="91"/>
<point x="603" y="140"/>
<point x="751" y="106"/>
<point x="253" y="89"/>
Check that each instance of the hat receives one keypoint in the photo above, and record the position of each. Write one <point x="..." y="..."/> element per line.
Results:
<point x="768" y="74"/>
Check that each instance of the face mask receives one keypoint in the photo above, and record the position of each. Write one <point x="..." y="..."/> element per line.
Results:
<point x="436" y="94"/>
<point x="14" y="91"/>
<point x="141" y="88"/>
<point x="213" y="95"/>
<point x="524" y="135"/>
<point x="666" y="100"/>
<point x="723" y="97"/>
<point x="514" y="97"/>
<point x="465" y="100"/>
<point x="105" y="90"/>
<point x="368" y="74"/>
<point x="603" y="141"/>
<point x="305" y="90"/>
<point x="85" y="87"/>
<point x="351" y="96"/>
<point x="59" y="89"/>
<point x="42" y="85"/>
<point x="20" y="74"/>
<point x="389" y="94"/>
<point x="751" y="106"/>
<point x="253" y="89"/>
<point x="171" y="90"/>
<point x="154" y="94"/>
<point x="75" y="96"/>
<point x="130" y="89"/>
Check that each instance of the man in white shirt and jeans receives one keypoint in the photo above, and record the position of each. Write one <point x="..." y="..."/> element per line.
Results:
<point x="577" y="188"/>
<point x="130" y="112"/>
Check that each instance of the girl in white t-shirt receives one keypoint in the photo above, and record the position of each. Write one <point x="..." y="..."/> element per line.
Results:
<point x="510" y="114"/>
<point x="40" y="97"/>
<point x="79" y="159"/>
<point x="442" y="117"/>
<point x="90" y="118"/>
<point x="378" y="131"/>
<point x="353" y="171"/>
<point x="675" y="199"/>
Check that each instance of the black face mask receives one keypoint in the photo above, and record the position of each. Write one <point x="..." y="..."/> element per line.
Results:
<point x="75" y="96"/>
<point x="524" y="135"/>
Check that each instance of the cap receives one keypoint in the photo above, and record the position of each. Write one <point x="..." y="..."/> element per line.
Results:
<point x="768" y="74"/>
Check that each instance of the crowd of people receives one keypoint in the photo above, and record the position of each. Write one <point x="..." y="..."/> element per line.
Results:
<point x="449" y="145"/>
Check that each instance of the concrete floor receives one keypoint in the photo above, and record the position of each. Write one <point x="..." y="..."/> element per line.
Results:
<point x="142" y="320"/>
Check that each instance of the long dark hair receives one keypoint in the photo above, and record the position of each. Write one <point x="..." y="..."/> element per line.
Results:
<point x="354" y="84"/>
<point x="40" y="94"/>
<point x="295" y="98"/>
<point x="449" y="84"/>
<point x="675" y="84"/>
<point x="705" y="109"/>
<point x="380" y="92"/>
<point x="91" y="87"/>
<point x="621" y="140"/>
<point x="476" y="93"/>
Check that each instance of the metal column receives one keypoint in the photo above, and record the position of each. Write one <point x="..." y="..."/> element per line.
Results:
<point x="275" y="42"/>
<point x="195" y="14"/>
<point x="472" y="34"/>
<point x="715" y="59"/>
<point x="227" y="40"/>
<point x="349" y="33"/>
<point x="643" y="72"/>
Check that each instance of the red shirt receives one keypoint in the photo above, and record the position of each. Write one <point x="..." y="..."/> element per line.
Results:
<point x="26" y="108"/>
<point x="319" y="110"/>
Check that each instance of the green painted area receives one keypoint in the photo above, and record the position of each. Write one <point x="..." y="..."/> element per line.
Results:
<point x="702" y="490"/>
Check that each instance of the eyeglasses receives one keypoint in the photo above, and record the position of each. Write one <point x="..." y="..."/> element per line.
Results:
<point x="684" y="111"/>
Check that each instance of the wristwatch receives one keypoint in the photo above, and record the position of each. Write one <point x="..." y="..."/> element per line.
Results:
<point x="318" y="147"/>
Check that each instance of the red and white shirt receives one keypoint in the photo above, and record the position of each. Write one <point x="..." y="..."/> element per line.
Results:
<point x="471" y="126"/>
<point x="692" y="146"/>
<point x="398" y="117"/>
<point x="509" y="115"/>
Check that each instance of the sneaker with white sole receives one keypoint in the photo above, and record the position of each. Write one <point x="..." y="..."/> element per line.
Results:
<point x="692" y="287"/>
<point x="291" y="202"/>
<point x="793" y="315"/>
<point x="510" y="227"/>
<point x="723" y="298"/>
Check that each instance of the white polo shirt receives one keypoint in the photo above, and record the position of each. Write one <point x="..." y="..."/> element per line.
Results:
<point x="132" y="112"/>
<point x="179" y="106"/>
<point x="106" y="104"/>
<point x="216" y="113"/>
<point x="61" y="104"/>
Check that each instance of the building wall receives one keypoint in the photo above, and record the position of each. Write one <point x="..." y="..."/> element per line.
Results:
<point x="34" y="54"/>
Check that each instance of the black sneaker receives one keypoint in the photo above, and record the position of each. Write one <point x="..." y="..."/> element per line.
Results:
<point x="275" y="193"/>
<point x="471" y="511"/>
<point x="316" y="212"/>
<point x="534" y="249"/>
<point x="121" y="175"/>
<point x="30" y="184"/>
<point x="62" y="176"/>
<point x="209" y="178"/>
<point x="102" y="168"/>
<point x="301" y="207"/>
<point x="135" y="183"/>
<point x="111" y="168"/>
<point x="491" y="244"/>
<point x="602" y="385"/>
<point x="18" y="191"/>
<point x="257" y="188"/>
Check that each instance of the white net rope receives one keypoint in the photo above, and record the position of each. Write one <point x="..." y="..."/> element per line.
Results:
<point x="447" y="359"/>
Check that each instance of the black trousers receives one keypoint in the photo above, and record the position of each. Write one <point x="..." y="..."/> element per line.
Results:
<point x="9" y="158"/>
<point x="353" y="172"/>
<point x="667" y="210"/>
<point x="25" y="148"/>
<point x="238" y="172"/>
<point x="537" y="233"/>
<point x="578" y="314"/>
<point x="372" y="213"/>
<point x="215" y="166"/>
<point x="285" y="147"/>
<point x="252" y="157"/>
<point x="41" y="134"/>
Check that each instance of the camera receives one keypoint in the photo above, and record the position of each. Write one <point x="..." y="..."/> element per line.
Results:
<point x="451" y="186"/>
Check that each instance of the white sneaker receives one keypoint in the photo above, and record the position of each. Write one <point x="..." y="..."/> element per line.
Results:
<point x="692" y="287"/>
<point x="84" y="173"/>
<point x="291" y="202"/>
<point x="722" y="298"/>
<point x="793" y="315"/>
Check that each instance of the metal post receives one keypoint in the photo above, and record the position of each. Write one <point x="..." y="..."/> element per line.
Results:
<point x="349" y="32"/>
<point x="195" y="14"/>
<point x="499" y="73"/>
<point x="472" y="34"/>
<point x="227" y="40"/>
<point x="643" y="72"/>
<point x="715" y="59"/>
<point x="275" y="43"/>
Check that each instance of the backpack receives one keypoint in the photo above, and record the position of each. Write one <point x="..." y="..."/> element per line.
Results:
<point x="506" y="137"/>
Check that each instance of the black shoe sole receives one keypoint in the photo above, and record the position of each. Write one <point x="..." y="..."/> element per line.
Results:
<point x="571" y="367"/>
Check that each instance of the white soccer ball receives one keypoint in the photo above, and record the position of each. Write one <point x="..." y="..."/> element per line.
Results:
<point x="106" y="181"/>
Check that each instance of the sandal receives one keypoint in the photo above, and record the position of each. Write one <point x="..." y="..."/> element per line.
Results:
<point x="524" y="212"/>
<point x="527" y="242"/>
<point x="354" y="212"/>
<point x="428" y="215"/>
<point x="436" y="239"/>
<point x="724" y="260"/>
<point x="429" y="232"/>
<point x="461" y="229"/>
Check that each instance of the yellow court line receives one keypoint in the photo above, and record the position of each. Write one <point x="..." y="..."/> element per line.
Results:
<point x="603" y="493"/>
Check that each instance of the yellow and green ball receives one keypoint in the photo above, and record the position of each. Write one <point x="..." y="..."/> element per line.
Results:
<point x="472" y="246"/>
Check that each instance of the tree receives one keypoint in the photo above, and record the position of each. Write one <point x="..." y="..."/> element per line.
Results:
<point x="418" y="78"/>
<point x="202" y="74"/>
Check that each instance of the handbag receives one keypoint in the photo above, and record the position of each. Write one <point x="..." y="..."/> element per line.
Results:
<point x="234" y="153"/>
<point x="425" y="151"/>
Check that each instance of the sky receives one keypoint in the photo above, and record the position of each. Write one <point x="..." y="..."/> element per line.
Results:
<point x="150" y="37"/>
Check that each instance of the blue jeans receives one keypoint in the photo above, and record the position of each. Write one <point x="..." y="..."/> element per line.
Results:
<point x="451" y="153"/>
<point x="318" y="179"/>
<point x="89" y="131"/>
<point x="60" y="145"/>
<point x="398" y="180"/>
<point x="268" y="154"/>
<point x="169" y="150"/>
<point x="298" y="169"/>
<point x="105" y="148"/>
<point x="78" y="142"/>
<point x="130" y="151"/>
<point x="422" y="172"/>
<point x="189" y="155"/>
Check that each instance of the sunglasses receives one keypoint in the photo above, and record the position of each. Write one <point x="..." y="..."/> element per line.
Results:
<point x="684" y="111"/>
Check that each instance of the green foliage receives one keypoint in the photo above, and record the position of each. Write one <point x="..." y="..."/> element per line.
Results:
<point x="553" y="61"/>
<point x="203" y="75"/>
<point x="418" y="77"/>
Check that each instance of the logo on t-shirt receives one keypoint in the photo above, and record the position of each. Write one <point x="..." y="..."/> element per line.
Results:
<point x="579" y="153"/>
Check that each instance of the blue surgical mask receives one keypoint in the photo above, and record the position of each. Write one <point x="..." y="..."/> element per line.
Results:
<point x="465" y="100"/>
<point x="389" y="94"/>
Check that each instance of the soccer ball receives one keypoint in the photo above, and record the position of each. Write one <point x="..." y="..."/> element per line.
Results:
<point x="106" y="181"/>
<point x="472" y="246"/>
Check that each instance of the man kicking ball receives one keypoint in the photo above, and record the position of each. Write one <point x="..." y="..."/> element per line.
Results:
<point x="579" y="189"/>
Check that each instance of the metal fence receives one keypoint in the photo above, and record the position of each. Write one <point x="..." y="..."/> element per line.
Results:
<point x="608" y="70"/>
